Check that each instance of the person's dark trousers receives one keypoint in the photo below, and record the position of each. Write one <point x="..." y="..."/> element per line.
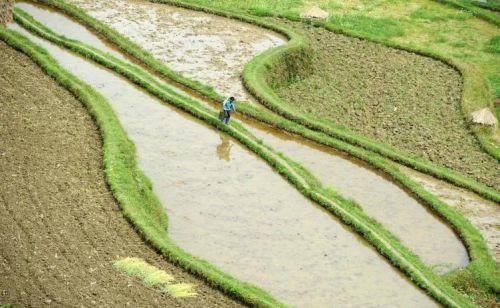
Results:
<point x="227" y="117"/>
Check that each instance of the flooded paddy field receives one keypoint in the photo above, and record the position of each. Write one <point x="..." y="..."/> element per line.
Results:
<point x="381" y="199"/>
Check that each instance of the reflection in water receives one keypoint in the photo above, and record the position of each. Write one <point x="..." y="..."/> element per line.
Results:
<point x="224" y="148"/>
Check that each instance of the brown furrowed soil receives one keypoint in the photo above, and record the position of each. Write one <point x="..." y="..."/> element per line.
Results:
<point x="6" y="11"/>
<point x="405" y="100"/>
<point x="60" y="228"/>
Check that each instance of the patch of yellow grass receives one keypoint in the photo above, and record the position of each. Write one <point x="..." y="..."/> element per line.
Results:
<point x="154" y="277"/>
<point x="179" y="290"/>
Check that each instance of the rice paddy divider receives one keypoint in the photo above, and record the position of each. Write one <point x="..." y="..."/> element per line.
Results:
<point x="379" y="237"/>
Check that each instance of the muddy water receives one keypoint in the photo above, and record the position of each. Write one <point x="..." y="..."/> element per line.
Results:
<point x="229" y="207"/>
<point x="379" y="197"/>
<point x="482" y="213"/>
<point x="67" y="27"/>
<point x="417" y="228"/>
<point x="203" y="47"/>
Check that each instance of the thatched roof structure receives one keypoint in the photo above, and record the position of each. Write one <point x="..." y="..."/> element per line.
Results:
<point x="315" y="13"/>
<point x="483" y="116"/>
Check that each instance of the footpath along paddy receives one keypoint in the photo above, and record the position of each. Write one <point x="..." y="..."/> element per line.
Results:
<point x="323" y="162"/>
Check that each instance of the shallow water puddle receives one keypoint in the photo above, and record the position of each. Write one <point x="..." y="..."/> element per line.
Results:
<point x="400" y="213"/>
<point x="238" y="214"/>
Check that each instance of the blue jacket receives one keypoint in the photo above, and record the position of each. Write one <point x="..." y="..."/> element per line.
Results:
<point x="228" y="105"/>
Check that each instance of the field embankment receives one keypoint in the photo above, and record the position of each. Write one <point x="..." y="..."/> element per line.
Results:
<point x="399" y="98"/>
<point x="60" y="227"/>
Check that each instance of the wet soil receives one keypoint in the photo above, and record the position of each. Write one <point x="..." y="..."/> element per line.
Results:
<point x="65" y="26"/>
<point x="408" y="101"/>
<point x="229" y="207"/>
<point x="206" y="48"/>
<point x="60" y="228"/>
<point x="386" y="202"/>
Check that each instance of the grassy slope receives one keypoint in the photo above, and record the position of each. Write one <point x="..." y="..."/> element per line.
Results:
<point x="479" y="255"/>
<point x="128" y="184"/>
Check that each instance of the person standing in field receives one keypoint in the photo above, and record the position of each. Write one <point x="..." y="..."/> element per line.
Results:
<point x="227" y="108"/>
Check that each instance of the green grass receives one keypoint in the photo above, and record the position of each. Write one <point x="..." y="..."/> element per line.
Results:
<point x="426" y="14"/>
<point x="347" y="210"/>
<point x="493" y="45"/>
<point x="381" y="28"/>
<point x="493" y="5"/>
<point x="474" y="8"/>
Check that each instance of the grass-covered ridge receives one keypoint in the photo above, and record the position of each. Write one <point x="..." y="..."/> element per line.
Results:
<point x="482" y="268"/>
<point x="130" y="187"/>
<point x="478" y="8"/>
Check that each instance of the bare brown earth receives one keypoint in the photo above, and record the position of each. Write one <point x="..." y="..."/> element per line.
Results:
<point x="60" y="228"/>
<point x="6" y="11"/>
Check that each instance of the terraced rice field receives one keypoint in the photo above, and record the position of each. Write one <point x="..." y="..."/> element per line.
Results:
<point x="248" y="233"/>
<point x="227" y="206"/>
